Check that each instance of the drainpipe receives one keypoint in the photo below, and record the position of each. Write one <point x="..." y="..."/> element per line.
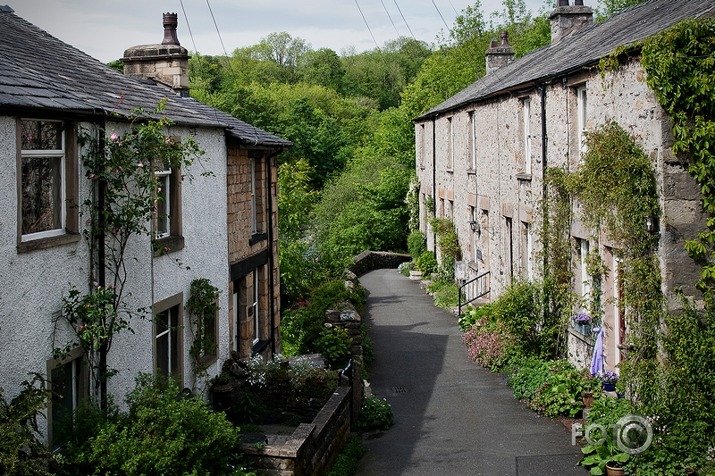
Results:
<point x="271" y="262"/>
<point x="434" y="180"/>
<point x="544" y="159"/>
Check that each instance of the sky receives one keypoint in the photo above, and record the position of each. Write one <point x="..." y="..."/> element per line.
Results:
<point x="105" y="28"/>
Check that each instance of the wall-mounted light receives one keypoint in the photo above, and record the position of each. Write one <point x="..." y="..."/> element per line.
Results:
<point x="474" y="225"/>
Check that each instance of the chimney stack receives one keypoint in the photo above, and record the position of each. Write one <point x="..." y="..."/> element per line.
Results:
<point x="166" y="63"/>
<point x="565" y="19"/>
<point x="499" y="55"/>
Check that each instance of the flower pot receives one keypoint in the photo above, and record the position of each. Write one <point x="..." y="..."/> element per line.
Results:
<point x="588" y="399"/>
<point x="609" y="387"/>
<point x="614" y="471"/>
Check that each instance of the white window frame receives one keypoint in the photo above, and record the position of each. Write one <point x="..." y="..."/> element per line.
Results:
<point x="526" y="106"/>
<point x="255" y="307"/>
<point x="473" y="135"/>
<point x="52" y="154"/>
<point x="585" y="278"/>
<point x="582" y="117"/>
<point x="172" y="308"/>
<point x="254" y="212"/>
<point x="450" y="144"/>
<point x="529" y="252"/>
<point x="164" y="178"/>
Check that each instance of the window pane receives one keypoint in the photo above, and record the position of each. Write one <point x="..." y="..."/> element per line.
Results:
<point x="163" y="206"/>
<point x="41" y="135"/>
<point x="162" y="355"/>
<point x="41" y="194"/>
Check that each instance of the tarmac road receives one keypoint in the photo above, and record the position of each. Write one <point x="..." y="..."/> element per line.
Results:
<point x="451" y="416"/>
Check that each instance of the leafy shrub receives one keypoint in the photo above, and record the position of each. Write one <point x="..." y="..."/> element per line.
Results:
<point x="301" y="328"/>
<point x="405" y="268"/>
<point x="426" y="263"/>
<point x="21" y="453"/>
<point x="335" y="344"/>
<point x="416" y="244"/>
<point x="519" y="310"/>
<point x="526" y="375"/>
<point x="473" y="314"/>
<point x="347" y="461"/>
<point x="560" y="394"/>
<point x="375" y="414"/>
<point x="445" y="293"/>
<point x="164" y="434"/>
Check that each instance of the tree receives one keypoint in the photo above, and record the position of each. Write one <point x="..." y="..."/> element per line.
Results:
<point x="322" y="67"/>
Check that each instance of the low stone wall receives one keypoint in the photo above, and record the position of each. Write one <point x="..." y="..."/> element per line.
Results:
<point x="313" y="447"/>
<point x="371" y="260"/>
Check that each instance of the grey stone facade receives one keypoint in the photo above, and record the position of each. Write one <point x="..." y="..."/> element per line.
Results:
<point x="481" y="156"/>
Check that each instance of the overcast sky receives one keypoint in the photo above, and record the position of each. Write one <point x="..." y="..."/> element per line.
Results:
<point x="105" y="28"/>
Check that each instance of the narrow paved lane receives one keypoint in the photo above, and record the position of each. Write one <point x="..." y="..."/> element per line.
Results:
<point x="451" y="416"/>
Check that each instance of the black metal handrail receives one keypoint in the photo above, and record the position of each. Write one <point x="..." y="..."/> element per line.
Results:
<point x="474" y="289"/>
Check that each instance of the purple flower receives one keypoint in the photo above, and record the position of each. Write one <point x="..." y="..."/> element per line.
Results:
<point x="609" y="376"/>
<point x="582" y="318"/>
<point x="114" y="137"/>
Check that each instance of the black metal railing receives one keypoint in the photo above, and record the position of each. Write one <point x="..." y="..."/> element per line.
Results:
<point x="474" y="289"/>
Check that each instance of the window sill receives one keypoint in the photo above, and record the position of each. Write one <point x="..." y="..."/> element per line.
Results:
<point x="257" y="238"/>
<point x="471" y="172"/>
<point x="450" y="170"/>
<point x="168" y="244"/>
<point x="50" y="242"/>
<point x="523" y="177"/>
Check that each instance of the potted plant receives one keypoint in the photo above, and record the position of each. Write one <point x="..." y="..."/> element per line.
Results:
<point x="591" y="385"/>
<point x="609" y="379"/>
<point x="582" y="322"/>
<point x="220" y="390"/>
<point x="605" y="458"/>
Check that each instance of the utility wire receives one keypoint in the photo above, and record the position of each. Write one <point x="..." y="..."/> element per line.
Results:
<point x="455" y="10"/>
<point x="403" y="19"/>
<point x="188" y="27"/>
<point x="440" y="15"/>
<point x="366" y="24"/>
<point x="390" y="17"/>
<point x="217" y="30"/>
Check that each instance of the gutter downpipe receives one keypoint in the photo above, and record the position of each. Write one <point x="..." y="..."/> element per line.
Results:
<point x="544" y="158"/>
<point x="434" y="180"/>
<point x="271" y="262"/>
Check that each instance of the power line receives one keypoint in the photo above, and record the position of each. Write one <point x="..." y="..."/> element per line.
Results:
<point x="455" y="10"/>
<point x="366" y="24"/>
<point x="440" y="15"/>
<point x="188" y="27"/>
<point x="217" y="30"/>
<point x="390" y="17"/>
<point x="403" y="19"/>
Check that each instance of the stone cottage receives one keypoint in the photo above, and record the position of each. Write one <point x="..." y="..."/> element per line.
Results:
<point x="222" y="226"/>
<point x="482" y="154"/>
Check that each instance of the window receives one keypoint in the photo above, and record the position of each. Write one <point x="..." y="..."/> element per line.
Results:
<point x="584" y="278"/>
<point x="257" y="195"/>
<point x="422" y="146"/>
<point x="167" y="219"/>
<point x="69" y="382"/>
<point x="167" y="338"/>
<point x="255" y="307"/>
<point x="526" y="110"/>
<point x="450" y="144"/>
<point x="510" y="247"/>
<point x="163" y="203"/>
<point x="472" y="141"/>
<point x="582" y="115"/>
<point x="42" y="179"/>
<point x="527" y="250"/>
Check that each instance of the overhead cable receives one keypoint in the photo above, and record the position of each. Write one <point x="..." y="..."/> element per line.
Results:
<point x="366" y="24"/>
<point x="390" y="17"/>
<point x="403" y="19"/>
<point x="440" y="15"/>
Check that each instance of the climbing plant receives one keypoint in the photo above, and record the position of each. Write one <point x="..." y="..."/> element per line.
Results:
<point x="680" y="63"/>
<point x="124" y="192"/>
<point x="203" y="308"/>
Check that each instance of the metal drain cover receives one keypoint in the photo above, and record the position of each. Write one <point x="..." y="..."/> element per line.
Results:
<point x="399" y="389"/>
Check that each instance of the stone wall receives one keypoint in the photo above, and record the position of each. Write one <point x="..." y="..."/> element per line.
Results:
<point x="312" y="448"/>
<point x="370" y="260"/>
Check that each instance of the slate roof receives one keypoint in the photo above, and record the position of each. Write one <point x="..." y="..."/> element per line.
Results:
<point x="38" y="71"/>
<point x="579" y="50"/>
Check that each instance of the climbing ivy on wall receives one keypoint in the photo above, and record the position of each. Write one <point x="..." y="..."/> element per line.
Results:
<point x="680" y="63"/>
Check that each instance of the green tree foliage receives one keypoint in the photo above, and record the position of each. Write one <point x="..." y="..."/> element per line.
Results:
<point x="322" y="67"/>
